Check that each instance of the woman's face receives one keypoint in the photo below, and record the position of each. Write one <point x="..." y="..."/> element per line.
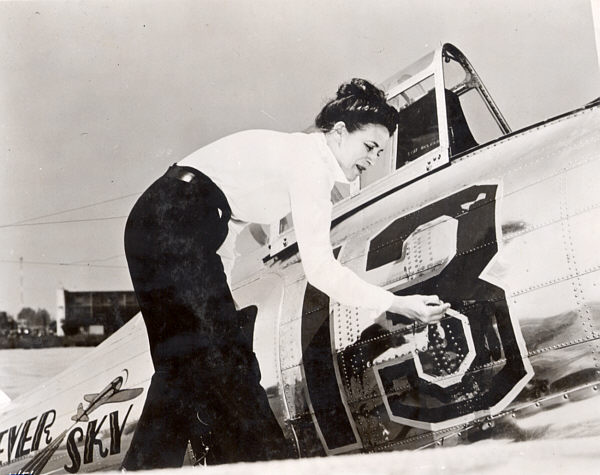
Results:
<point x="356" y="151"/>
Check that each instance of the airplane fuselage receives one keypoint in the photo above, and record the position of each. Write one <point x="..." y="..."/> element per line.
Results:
<point x="503" y="227"/>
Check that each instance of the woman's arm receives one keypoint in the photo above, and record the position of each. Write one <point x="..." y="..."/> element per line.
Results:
<point x="311" y="212"/>
<point x="422" y="308"/>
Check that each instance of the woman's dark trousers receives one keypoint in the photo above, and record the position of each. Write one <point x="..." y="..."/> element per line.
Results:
<point x="205" y="388"/>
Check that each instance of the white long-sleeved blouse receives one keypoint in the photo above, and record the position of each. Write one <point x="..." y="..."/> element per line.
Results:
<point x="265" y="175"/>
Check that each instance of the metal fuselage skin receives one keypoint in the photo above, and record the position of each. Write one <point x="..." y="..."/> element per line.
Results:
<point x="507" y="233"/>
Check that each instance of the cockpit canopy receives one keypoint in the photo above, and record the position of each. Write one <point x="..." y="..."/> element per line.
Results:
<point x="445" y="111"/>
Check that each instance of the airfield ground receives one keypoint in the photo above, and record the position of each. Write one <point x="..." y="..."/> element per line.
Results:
<point x="560" y="456"/>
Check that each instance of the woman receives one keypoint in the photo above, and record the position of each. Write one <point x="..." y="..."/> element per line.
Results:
<point x="206" y="383"/>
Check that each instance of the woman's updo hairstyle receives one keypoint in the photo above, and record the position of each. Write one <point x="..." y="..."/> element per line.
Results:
<point x="358" y="103"/>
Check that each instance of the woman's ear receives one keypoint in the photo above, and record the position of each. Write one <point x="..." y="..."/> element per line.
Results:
<point x="340" y="130"/>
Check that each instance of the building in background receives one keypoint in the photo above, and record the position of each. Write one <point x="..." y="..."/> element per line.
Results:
<point x="94" y="312"/>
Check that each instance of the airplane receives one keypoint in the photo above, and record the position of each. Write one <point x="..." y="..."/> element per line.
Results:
<point x="501" y="224"/>
<point x="111" y="393"/>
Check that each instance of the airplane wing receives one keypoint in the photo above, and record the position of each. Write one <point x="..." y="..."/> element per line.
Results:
<point x="125" y="395"/>
<point x="90" y="397"/>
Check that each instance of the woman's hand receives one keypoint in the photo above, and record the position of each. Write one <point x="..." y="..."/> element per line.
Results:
<point x="421" y="308"/>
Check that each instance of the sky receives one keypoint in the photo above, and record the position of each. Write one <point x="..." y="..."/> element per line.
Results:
<point x="98" y="98"/>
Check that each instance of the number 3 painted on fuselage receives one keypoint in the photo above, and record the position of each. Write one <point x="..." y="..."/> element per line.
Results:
<point x="474" y="363"/>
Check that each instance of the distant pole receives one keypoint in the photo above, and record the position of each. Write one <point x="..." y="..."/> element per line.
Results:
<point x="21" y="278"/>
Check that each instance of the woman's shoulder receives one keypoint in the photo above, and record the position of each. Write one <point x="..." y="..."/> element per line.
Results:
<point x="284" y="144"/>
<point x="275" y="135"/>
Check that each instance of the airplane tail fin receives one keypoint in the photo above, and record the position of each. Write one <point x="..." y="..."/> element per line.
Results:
<point x="80" y="416"/>
<point x="4" y="399"/>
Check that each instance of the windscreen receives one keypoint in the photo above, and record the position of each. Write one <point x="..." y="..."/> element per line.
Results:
<point x="418" y="126"/>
